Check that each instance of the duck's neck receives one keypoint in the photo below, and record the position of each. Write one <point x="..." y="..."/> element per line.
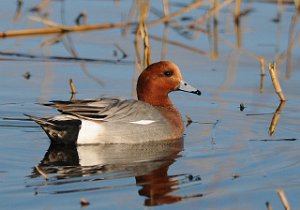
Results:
<point x="156" y="100"/>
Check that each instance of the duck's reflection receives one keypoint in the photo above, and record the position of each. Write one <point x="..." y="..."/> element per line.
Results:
<point x="148" y="163"/>
<point x="157" y="186"/>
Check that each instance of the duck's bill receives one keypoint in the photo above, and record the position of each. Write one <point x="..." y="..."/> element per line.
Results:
<point x="184" y="86"/>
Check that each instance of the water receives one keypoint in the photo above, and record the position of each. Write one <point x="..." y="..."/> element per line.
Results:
<point x="227" y="160"/>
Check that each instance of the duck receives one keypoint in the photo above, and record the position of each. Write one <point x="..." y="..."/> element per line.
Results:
<point x="150" y="117"/>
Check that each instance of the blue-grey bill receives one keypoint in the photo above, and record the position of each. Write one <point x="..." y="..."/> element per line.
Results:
<point x="184" y="86"/>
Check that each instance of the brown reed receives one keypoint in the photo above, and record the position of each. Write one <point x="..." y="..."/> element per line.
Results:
<point x="210" y="13"/>
<point x="72" y="86"/>
<point x="41" y="172"/>
<point x="283" y="199"/>
<point x="193" y="49"/>
<point x="237" y="20"/>
<point x="275" y="119"/>
<point x="275" y="81"/>
<point x="143" y="34"/>
<point x="177" y="13"/>
<point x="62" y="29"/>
<point x="215" y="52"/>
<point x="41" y="6"/>
<point x="269" y="206"/>
<point x="262" y="74"/>
<point x="297" y="4"/>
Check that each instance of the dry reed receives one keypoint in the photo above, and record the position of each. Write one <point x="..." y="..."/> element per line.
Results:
<point x="18" y="10"/>
<point x="62" y="29"/>
<point x="283" y="199"/>
<point x="262" y="74"/>
<point x="72" y="86"/>
<point x="210" y="13"/>
<point x="41" y="172"/>
<point x="57" y="28"/>
<point x="215" y="52"/>
<point x="46" y="22"/>
<point x="275" y="81"/>
<point x="177" y="13"/>
<point x="142" y="33"/>
<point x="166" y="7"/>
<point x="193" y="49"/>
<point x="262" y="66"/>
<point x="147" y="52"/>
<point x="269" y="206"/>
<point x="237" y="8"/>
<point x="237" y="20"/>
<point x="275" y="119"/>
<point x="41" y="6"/>
<point x="291" y="44"/>
<point x="297" y="4"/>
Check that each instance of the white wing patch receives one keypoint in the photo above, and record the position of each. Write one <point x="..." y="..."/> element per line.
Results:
<point x="143" y="122"/>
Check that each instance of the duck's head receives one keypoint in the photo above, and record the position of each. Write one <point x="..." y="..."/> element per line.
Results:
<point x="158" y="80"/>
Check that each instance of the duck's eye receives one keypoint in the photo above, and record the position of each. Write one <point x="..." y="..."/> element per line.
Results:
<point x="168" y="73"/>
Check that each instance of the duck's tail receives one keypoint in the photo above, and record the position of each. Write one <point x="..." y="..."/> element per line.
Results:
<point x="60" y="131"/>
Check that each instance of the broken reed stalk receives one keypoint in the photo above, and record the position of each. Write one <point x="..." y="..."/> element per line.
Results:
<point x="41" y="172"/>
<point x="72" y="86"/>
<point x="41" y="6"/>
<point x="167" y="18"/>
<point x="276" y="118"/>
<point x="210" y="13"/>
<point x="275" y="81"/>
<point x="283" y="199"/>
<point x="147" y="51"/>
<point x="237" y="8"/>
<point x="269" y="206"/>
<point x="280" y="9"/>
<point x="164" y="46"/>
<point x="46" y="22"/>
<point x="262" y="74"/>
<point x="166" y="7"/>
<point x="262" y="66"/>
<point x="18" y="10"/>
<point x="297" y="4"/>
<point x="215" y="53"/>
<point x="193" y="49"/>
<point x="291" y="44"/>
<point x="88" y="27"/>
<point x="130" y="17"/>
<point x="137" y="48"/>
<point x="62" y="29"/>
<point x="237" y="21"/>
<point x="142" y="32"/>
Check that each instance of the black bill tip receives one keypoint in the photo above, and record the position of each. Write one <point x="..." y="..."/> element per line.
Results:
<point x="197" y="92"/>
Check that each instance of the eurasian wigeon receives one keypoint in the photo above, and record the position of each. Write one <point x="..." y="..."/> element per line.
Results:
<point x="152" y="117"/>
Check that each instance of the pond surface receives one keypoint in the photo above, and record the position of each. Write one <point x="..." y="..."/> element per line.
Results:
<point x="226" y="160"/>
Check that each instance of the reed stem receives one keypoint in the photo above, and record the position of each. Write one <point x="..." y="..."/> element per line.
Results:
<point x="275" y="81"/>
<point x="283" y="199"/>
